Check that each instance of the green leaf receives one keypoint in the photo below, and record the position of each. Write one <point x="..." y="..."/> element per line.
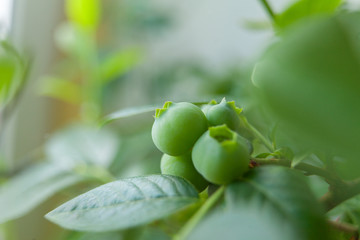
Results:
<point x="76" y="42"/>
<point x="7" y="70"/>
<point x="84" y="13"/>
<point x="310" y="81"/>
<point x="257" y="25"/>
<point x="350" y="208"/>
<point x="94" y="236"/>
<point x="240" y="223"/>
<point x="119" y="63"/>
<point x="81" y="145"/>
<point x="129" y="112"/>
<point x="135" y="111"/>
<point x="125" y="203"/>
<point x="263" y="155"/>
<point x="62" y="89"/>
<point x="306" y="8"/>
<point x="318" y="185"/>
<point x="281" y="195"/>
<point x="13" y="71"/>
<point x="30" y="188"/>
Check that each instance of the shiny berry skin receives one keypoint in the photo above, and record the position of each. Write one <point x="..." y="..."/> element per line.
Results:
<point x="221" y="155"/>
<point x="177" y="126"/>
<point x="182" y="166"/>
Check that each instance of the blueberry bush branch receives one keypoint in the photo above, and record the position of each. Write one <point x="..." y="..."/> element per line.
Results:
<point x="307" y="168"/>
<point x="257" y="134"/>
<point x="345" y="227"/>
<point x="339" y="190"/>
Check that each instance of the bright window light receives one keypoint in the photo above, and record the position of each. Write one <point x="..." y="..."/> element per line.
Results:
<point x="5" y="17"/>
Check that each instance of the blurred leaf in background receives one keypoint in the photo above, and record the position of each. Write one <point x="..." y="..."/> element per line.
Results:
<point x="7" y="69"/>
<point x="24" y="192"/>
<point x="84" y="13"/>
<point x="76" y="154"/>
<point x="82" y="145"/>
<point x="88" y="65"/>
<point x="75" y="42"/>
<point x="138" y="20"/>
<point x="348" y="211"/>
<point x="13" y="69"/>
<point x="119" y="63"/>
<point x="63" y="89"/>
<point x="309" y="81"/>
<point x="306" y="8"/>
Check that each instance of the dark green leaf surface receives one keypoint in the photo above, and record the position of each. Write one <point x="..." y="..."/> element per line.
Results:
<point x="32" y="187"/>
<point x="125" y="203"/>
<point x="310" y="82"/>
<point x="281" y="197"/>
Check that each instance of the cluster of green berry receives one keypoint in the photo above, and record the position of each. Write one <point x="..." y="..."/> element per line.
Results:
<point x="201" y="145"/>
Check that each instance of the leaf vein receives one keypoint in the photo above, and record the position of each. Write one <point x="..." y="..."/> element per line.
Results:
<point x="125" y="202"/>
<point x="137" y="188"/>
<point x="174" y="184"/>
<point x="157" y="187"/>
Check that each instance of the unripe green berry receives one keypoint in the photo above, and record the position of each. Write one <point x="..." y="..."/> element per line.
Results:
<point x="177" y="126"/>
<point x="207" y="106"/>
<point x="223" y="113"/>
<point x="221" y="155"/>
<point x="182" y="166"/>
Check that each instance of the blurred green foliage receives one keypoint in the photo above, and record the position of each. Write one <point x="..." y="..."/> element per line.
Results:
<point x="84" y="13"/>
<point x="13" y="70"/>
<point x="305" y="98"/>
<point x="302" y="9"/>
<point x="309" y="79"/>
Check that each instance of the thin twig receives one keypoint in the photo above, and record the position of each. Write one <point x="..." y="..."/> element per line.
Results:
<point x="309" y="169"/>
<point x="268" y="9"/>
<point x="339" y="190"/>
<point x="210" y="202"/>
<point x="256" y="133"/>
<point x="340" y="193"/>
<point x="344" y="227"/>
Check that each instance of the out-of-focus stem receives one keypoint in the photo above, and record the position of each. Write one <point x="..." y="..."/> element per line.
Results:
<point x="339" y="190"/>
<point x="344" y="227"/>
<point x="309" y="169"/>
<point x="268" y="9"/>
<point x="340" y="193"/>
<point x="189" y="226"/>
<point x="257" y="134"/>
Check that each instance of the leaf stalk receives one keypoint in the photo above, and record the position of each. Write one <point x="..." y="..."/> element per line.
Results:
<point x="268" y="9"/>
<point x="190" y="225"/>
